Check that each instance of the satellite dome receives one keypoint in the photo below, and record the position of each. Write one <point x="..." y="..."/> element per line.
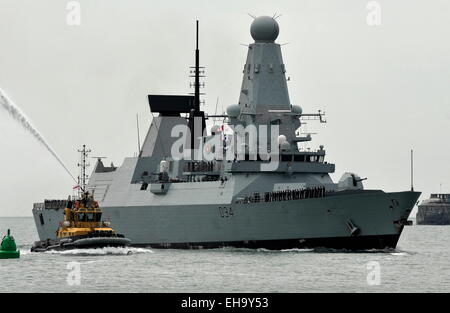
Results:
<point x="233" y="110"/>
<point x="296" y="109"/>
<point x="264" y="29"/>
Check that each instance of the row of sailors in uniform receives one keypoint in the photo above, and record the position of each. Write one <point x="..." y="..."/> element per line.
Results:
<point x="284" y="195"/>
<point x="296" y="194"/>
<point x="201" y="166"/>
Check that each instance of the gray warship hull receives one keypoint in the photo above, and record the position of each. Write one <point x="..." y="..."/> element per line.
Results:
<point x="305" y="223"/>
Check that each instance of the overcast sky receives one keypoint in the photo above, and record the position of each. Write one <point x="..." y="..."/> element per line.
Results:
<point x="385" y="89"/>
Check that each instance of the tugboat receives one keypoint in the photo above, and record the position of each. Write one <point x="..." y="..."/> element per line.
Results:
<point x="82" y="228"/>
<point x="8" y="249"/>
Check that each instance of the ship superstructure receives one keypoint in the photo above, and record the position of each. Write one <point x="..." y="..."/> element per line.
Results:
<point x="237" y="187"/>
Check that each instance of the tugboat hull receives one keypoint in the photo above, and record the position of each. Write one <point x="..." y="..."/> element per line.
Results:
<point x="83" y="243"/>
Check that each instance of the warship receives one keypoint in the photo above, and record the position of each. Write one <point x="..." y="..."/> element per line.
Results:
<point x="435" y="210"/>
<point x="268" y="192"/>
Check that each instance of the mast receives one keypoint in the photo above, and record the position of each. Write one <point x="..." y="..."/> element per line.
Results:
<point x="412" y="171"/>
<point x="197" y="74"/>
<point x="138" y="137"/>
<point x="83" y="165"/>
<point x="196" y="107"/>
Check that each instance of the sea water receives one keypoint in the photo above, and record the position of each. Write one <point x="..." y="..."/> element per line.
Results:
<point x="421" y="263"/>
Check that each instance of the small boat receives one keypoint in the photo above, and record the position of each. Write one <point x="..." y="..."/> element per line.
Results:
<point x="8" y="249"/>
<point x="82" y="228"/>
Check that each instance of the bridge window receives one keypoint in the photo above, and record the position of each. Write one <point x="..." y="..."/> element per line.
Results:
<point x="90" y="217"/>
<point x="82" y="217"/>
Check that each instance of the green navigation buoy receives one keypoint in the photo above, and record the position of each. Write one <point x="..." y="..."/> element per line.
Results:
<point x="8" y="249"/>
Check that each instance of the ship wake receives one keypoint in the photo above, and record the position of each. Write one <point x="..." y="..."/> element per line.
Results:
<point x="102" y="251"/>
<point x="391" y="251"/>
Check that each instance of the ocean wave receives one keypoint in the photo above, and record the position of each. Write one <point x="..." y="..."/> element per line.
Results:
<point x="297" y="250"/>
<point x="102" y="251"/>
<point x="399" y="253"/>
<point x="261" y="250"/>
<point x="24" y="251"/>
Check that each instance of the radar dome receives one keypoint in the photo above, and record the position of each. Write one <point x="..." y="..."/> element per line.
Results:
<point x="296" y="109"/>
<point x="233" y="110"/>
<point x="281" y="139"/>
<point x="285" y="146"/>
<point x="264" y="29"/>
